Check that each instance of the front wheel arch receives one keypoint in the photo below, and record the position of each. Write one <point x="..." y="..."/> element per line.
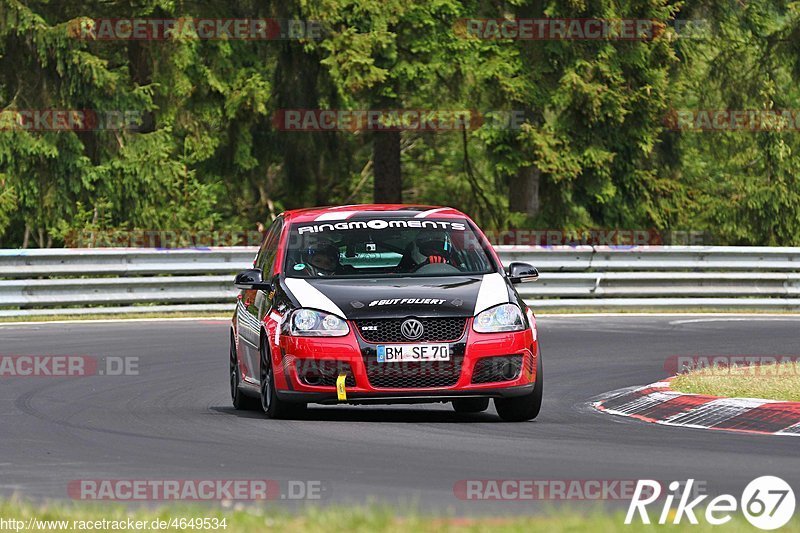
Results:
<point x="277" y="408"/>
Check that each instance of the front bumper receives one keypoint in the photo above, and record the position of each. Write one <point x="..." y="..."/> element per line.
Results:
<point x="406" y="396"/>
<point x="353" y="356"/>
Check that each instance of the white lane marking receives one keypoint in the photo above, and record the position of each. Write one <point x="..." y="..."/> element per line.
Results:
<point x="493" y="291"/>
<point x="310" y="296"/>
<point x="732" y="319"/>
<point x="340" y="215"/>
<point x="120" y="320"/>
<point x="424" y="214"/>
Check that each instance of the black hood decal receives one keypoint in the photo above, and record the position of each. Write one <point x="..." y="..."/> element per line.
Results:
<point x="401" y="297"/>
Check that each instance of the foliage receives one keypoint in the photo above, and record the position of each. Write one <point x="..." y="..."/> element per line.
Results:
<point x="203" y="152"/>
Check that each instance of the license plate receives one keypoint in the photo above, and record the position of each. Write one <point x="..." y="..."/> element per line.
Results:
<point x="399" y="353"/>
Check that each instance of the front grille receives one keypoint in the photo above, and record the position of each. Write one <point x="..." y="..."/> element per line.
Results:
<point x="492" y="369"/>
<point x="414" y="375"/>
<point x="435" y="330"/>
<point x="323" y="372"/>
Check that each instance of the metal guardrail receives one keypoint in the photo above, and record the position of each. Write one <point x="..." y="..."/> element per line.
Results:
<point x="117" y="280"/>
<point x="55" y="262"/>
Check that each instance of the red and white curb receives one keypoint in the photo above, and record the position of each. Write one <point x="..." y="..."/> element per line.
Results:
<point x="659" y="404"/>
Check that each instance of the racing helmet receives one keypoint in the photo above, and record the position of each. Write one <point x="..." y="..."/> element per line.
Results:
<point x="436" y="247"/>
<point x="323" y="256"/>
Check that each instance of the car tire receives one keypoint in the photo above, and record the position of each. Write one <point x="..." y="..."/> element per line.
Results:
<point x="241" y="402"/>
<point x="271" y="404"/>
<point x="471" y="405"/>
<point x="524" y="407"/>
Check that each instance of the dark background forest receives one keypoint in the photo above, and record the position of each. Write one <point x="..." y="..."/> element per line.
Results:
<point x="598" y="146"/>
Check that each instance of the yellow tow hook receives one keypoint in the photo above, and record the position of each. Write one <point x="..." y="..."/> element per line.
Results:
<point x="341" y="391"/>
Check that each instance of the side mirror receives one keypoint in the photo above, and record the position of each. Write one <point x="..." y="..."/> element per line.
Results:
<point x="522" y="273"/>
<point x="251" y="280"/>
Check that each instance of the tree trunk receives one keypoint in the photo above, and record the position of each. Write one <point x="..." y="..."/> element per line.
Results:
<point x="523" y="191"/>
<point x="296" y="82"/>
<point x="388" y="187"/>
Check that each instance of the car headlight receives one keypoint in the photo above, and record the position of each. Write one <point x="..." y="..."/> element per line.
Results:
<point x="505" y="317"/>
<point x="310" y="323"/>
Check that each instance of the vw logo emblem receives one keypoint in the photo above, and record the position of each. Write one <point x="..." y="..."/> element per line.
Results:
<point x="412" y="329"/>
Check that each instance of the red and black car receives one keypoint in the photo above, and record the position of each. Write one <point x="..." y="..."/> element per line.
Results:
<point x="383" y="304"/>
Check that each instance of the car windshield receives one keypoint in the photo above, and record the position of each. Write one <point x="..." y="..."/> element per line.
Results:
<point x="385" y="248"/>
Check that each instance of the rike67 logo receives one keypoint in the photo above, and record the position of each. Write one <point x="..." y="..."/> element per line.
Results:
<point x="767" y="502"/>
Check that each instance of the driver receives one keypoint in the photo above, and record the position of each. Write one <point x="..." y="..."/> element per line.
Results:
<point x="430" y="247"/>
<point x="436" y="250"/>
<point x="322" y="259"/>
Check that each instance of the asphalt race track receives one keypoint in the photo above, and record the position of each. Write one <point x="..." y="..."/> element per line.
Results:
<point x="174" y="419"/>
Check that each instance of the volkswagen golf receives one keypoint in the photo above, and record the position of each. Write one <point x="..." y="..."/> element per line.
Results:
<point x="369" y="304"/>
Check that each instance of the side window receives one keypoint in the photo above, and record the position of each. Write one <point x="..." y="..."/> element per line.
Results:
<point x="258" y="261"/>
<point x="266" y="257"/>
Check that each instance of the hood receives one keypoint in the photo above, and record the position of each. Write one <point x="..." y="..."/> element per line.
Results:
<point x="355" y="299"/>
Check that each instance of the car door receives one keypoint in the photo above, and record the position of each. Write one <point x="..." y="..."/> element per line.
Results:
<point x="255" y="303"/>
